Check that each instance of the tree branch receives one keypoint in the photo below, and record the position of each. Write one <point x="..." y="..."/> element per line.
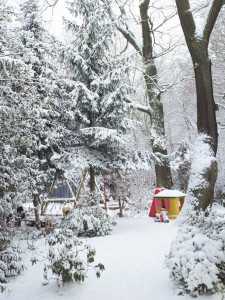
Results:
<point x="129" y="37"/>
<point x="146" y="31"/>
<point x="52" y="4"/>
<point x="139" y="107"/>
<point x="211" y="19"/>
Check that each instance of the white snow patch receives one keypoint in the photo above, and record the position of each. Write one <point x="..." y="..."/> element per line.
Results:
<point x="202" y="158"/>
<point x="134" y="259"/>
<point x="170" y="194"/>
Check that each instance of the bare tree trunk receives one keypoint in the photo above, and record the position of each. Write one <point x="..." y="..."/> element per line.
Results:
<point x="162" y="166"/>
<point x="36" y="203"/>
<point x="206" y="108"/>
<point x="94" y="199"/>
<point x="92" y="179"/>
<point x="83" y="176"/>
<point x="206" y="123"/>
<point x="155" y="107"/>
<point x="120" y="207"/>
<point x="105" y="195"/>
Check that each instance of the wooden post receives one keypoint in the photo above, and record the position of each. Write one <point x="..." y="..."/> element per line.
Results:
<point x="105" y="198"/>
<point x="80" y="187"/>
<point x="36" y="203"/>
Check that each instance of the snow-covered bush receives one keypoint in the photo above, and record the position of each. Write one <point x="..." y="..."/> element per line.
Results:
<point x="69" y="258"/>
<point x="202" y="177"/>
<point x="197" y="258"/>
<point x="89" y="221"/>
<point x="10" y="265"/>
<point x="181" y="165"/>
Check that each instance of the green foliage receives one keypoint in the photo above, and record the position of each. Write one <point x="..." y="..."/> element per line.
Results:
<point x="70" y="258"/>
<point x="89" y="221"/>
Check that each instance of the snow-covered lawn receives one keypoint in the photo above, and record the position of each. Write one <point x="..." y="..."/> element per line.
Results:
<point x="134" y="259"/>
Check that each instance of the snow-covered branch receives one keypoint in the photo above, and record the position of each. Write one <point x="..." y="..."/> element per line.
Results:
<point x="142" y="108"/>
<point x="130" y="38"/>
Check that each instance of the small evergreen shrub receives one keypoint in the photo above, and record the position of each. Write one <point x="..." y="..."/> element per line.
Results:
<point x="10" y="262"/>
<point x="89" y="221"/>
<point x="69" y="258"/>
<point x="197" y="257"/>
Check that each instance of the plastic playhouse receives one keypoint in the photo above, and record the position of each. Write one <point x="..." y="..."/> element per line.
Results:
<point x="164" y="202"/>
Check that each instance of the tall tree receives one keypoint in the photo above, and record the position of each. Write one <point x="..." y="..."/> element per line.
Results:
<point x="35" y="107"/>
<point x="11" y="69"/>
<point x="217" y="42"/>
<point x="13" y="73"/>
<point x="162" y="164"/>
<point x="155" y="107"/>
<point x="42" y="107"/>
<point x="100" y="85"/>
<point x="197" y="40"/>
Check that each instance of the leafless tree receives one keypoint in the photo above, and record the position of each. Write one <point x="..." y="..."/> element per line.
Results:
<point x="198" y="44"/>
<point x="153" y="90"/>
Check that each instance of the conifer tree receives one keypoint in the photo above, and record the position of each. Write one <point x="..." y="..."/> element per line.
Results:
<point x="101" y="86"/>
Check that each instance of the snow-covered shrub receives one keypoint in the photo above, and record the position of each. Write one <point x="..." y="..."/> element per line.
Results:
<point x="89" y="221"/>
<point x="181" y="165"/>
<point x="197" y="258"/>
<point x="69" y="258"/>
<point x="202" y="177"/>
<point x="10" y="265"/>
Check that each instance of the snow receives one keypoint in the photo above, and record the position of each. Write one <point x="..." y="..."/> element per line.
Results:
<point x="170" y="194"/>
<point x="134" y="258"/>
<point x="201" y="10"/>
<point x="56" y="208"/>
<point x="197" y="254"/>
<point x="202" y="160"/>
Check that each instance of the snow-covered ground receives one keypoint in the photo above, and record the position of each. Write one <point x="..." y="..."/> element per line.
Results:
<point x="134" y="259"/>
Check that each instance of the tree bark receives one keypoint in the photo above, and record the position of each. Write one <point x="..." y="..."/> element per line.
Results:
<point x="92" y="179"/>
<point x="36" y="203"/>
<point x="162" y="166"/>
<point x="205" y="194"/>
<point x="120" y="207"/>
<point x="206" y="107"/>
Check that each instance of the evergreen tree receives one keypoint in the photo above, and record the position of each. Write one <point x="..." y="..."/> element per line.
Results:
<point x="69" y="258"/>
<point x="12" y="75"/>
<point x="46" y="113"/>
<point x="100" y="83"/>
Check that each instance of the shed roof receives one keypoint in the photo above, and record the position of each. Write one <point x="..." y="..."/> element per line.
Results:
<point x="170" y="194"/>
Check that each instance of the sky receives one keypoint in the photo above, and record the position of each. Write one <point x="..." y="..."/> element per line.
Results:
<point x="53" y="18"/>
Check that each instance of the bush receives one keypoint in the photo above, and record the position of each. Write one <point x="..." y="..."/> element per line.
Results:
<point x="10" y="265"/>
<point x="89" y="221"/>
<point x="197" y="258"/>
<point x="69" y="258"/>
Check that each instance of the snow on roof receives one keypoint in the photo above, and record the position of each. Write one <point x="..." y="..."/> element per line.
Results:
<point x="169" y="194"/>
